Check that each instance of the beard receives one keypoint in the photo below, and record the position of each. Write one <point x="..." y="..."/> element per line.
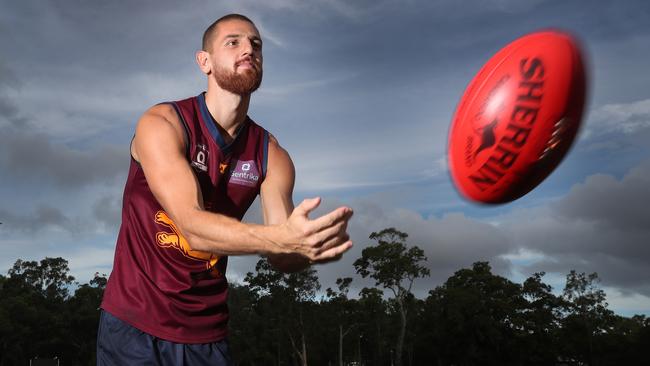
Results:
<point x="240" y="84"/>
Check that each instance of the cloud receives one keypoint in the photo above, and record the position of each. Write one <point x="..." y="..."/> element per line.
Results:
<point x="81" y="111"/>
<point x="610" y="202"/>
<point x="8" y="110"/>
<point x="83" y="217"/>
<point x="511" y="6"/>
<point x="43" y="218"/>
<point x="626" y="118"/>
<point x="350" y="167"/>
<point x="601" y="225"/>
<point x="626" y="304"/>
<point x="9" y="113"/>
<point x="294" y="88"/>
<point x="107" y="210"/>
<point x="33" y="157"/>
<point x="7" y="78"/>
<point x="321" y="9"/>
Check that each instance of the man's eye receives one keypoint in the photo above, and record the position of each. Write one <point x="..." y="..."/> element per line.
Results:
<point x="231" y="43"/>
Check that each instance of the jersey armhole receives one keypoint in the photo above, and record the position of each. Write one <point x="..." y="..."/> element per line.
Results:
<point x="265" y="152"/>
<point x="185" y="128"/>
<point x="131" y="149"/>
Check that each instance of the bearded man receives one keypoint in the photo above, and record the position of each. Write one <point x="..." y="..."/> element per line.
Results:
<point x="196" y="167"/>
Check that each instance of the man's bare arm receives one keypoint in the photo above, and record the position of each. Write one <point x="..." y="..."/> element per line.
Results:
<point x="159" y="148"/>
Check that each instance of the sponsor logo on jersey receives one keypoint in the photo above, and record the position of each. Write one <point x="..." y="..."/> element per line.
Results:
<point x="200" y="159"/>
<point x="245" y="173"/>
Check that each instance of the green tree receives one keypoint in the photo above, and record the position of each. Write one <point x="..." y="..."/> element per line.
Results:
<point x="475" y="318"/>
<point x="586" y="317"/>
<point x="623" y="343"/>
<point x="541" y="316"/>
<point x="344" y="311"/>
<point x="49" y="277"/>
<point x="82" y="319"/>
<point x="254" y="338"/>
<point x="393" y="266"/>
<point x="291" y="294"/>
<point x="372" y="317"/>
<point x="32" y="311"/>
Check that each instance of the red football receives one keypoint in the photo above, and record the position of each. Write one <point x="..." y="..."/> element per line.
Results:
<point x="518" y="117"/>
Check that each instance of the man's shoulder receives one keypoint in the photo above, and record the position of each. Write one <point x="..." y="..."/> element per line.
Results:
<point x="158" y="119"/>
<point x="278" y="155"/>
<point x="170" y="110"/>
<point x="163" y="112"/>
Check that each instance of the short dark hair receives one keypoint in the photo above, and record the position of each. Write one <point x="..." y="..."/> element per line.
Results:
<point x="208" y="35"/>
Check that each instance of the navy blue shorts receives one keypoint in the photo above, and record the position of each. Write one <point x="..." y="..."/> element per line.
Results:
<point x="118" y="343"/>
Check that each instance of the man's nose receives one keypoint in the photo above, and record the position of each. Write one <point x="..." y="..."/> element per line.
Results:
<point x="247" y="47"/>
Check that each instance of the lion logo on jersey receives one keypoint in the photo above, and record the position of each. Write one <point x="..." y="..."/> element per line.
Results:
<point x="175" y="240"/>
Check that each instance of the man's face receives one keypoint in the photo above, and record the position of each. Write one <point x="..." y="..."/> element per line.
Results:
<point x="236" y="57"/>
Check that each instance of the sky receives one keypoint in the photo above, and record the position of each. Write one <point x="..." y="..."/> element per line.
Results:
<point x="361" y="94"/>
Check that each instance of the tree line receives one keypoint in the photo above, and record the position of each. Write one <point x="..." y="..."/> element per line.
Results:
<point x="474" y="318"/>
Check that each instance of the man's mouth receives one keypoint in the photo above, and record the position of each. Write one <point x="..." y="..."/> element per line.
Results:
<point x="245" y="64"/>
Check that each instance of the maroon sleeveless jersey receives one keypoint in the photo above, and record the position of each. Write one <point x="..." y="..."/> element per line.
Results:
<point x="158" y="283"/>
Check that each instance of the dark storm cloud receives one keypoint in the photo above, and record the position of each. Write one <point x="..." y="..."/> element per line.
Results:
<point x="601" y="225"/>
<point x="398" y="42"/>
<point x="9" y="113"/>
<point x="610" y="202"/>
<point x="7" y="78"/>
<point x="42" y="218"/>
<point x="33" y="157"/>
<point x="108" y="211"/>
<point x="104" y="216"/>
<point x="8" y="110"/>
<point x="111" y="38"/>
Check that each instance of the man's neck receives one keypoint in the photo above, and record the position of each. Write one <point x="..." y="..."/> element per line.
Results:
<point x="229" y="110"/>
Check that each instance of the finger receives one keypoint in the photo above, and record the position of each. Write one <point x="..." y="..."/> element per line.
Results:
<point x="332" y="243"/>
<point x="346" y="220"/>
<point x="350" y="212"/>
<point x="333" y="252"/>
<point x="307" y="206"/>
<point x="345" y="225"/>
<point x="330" y="219"/>
<point x="321" y="237"/>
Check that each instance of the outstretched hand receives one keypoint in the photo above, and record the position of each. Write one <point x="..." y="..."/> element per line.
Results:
<point x="320" y="240"/>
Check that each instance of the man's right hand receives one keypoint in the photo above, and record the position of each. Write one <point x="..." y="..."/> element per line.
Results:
<point x="322" y="239"/>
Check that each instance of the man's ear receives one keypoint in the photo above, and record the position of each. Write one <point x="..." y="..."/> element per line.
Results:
<point x="203" y="60"/>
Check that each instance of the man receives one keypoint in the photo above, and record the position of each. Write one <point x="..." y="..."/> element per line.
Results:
<point x="196" y="167"/>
